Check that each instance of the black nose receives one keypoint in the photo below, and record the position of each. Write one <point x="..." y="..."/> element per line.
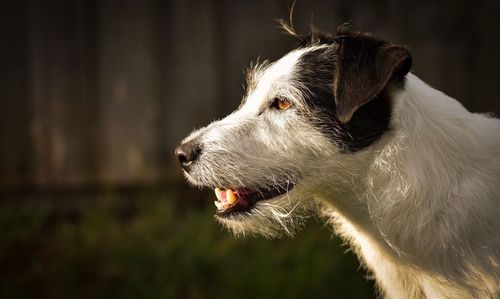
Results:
<point x="187" y="153"/>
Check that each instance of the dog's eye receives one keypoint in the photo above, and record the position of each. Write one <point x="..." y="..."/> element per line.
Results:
<point x="281" y="104"/>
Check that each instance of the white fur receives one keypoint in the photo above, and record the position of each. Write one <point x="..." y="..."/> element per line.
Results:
<point x="433" y="196"/>
<point x="421" y="207"/>
<point x="424" y="216"/>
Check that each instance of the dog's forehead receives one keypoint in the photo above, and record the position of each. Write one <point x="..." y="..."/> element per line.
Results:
<point x="270" y="79"/>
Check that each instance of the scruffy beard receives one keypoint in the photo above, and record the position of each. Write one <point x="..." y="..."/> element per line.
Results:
<point x="273" y="218"/>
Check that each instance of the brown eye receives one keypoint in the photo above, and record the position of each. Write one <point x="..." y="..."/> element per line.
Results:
<point x="281" y="104"/>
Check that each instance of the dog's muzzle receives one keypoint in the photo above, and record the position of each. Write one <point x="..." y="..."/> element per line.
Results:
<point x="232" y="200"/>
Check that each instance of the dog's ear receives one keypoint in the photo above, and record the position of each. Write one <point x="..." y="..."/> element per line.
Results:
<point x="364" y="68"/>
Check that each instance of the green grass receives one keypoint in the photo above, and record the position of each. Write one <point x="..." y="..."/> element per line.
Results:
<point x="161" y="249"/>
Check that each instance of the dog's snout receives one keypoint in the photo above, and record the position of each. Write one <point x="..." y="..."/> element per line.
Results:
<point x="187" y="153"/>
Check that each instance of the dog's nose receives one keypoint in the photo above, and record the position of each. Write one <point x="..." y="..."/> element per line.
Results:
<point x="187" y="153"/>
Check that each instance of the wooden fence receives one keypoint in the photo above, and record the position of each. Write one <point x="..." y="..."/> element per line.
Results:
<point x="101" y="91"/>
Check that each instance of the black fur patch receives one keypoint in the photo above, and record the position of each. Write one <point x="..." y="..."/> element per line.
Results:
<point x="316" y="70"/>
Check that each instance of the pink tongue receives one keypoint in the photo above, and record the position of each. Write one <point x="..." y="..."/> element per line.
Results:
<point x="223" y="195"/>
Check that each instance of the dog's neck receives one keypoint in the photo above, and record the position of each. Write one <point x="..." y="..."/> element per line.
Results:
<point x="416" y="173"/>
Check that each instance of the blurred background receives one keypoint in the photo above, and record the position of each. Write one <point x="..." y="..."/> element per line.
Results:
<point x="96" y="94"/>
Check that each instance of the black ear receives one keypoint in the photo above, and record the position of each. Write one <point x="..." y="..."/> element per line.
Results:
<point x="365" y="66"/>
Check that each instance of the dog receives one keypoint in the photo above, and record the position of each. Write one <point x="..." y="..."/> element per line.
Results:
<point x="339" y="127"/>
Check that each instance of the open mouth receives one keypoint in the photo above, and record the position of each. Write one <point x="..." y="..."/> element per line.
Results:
<point x="231" y="202"/>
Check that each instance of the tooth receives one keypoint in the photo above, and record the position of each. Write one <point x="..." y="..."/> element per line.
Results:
<point x="217" y="193"/>
<point x="218" y="204"/>
<point x="231" y="198"/>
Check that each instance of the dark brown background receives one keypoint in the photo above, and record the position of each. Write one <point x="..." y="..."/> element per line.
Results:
<point x="99" y="92"/>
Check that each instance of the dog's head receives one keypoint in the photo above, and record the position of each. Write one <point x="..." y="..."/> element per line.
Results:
<point x="303" y="124"/>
